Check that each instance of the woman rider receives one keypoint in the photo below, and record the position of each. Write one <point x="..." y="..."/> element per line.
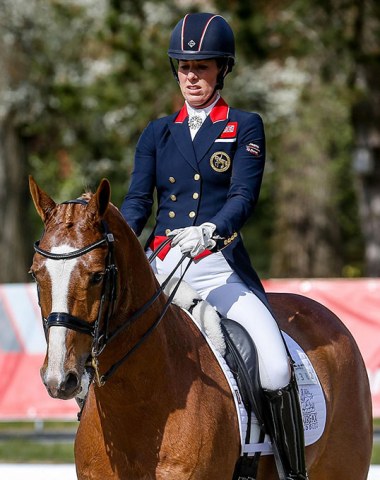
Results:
<point x="206" y="164"/>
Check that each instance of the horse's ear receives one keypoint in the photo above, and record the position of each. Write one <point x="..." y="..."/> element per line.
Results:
<point x="99" y="202"/>
<point x="43" y="203"/>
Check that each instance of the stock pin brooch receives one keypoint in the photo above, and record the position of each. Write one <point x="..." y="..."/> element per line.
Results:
<point x="195" y="122"/>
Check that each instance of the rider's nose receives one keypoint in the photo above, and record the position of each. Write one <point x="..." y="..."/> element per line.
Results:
<point x="192" y="75"/>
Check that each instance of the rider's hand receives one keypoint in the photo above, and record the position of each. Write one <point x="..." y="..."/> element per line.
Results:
<point x="194" y="240"/>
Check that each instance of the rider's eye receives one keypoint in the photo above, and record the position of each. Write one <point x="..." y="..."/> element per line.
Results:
<point x="97" y="277"/>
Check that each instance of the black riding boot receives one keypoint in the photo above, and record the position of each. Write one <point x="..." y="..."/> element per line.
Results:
<point x="286" y="429"/>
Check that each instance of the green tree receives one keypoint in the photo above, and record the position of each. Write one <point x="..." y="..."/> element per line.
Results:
<point x="300" y="55"/>
<point x="74" y="102"/>
<point x="79" y="82"/>
<point x="26" y="78"/>
<point x="364" y="79"/>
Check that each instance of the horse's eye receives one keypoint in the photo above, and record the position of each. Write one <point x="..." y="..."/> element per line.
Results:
<point x="97" y="277"/>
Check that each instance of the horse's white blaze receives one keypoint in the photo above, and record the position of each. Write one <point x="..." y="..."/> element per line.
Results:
<point x="60" y="273"/>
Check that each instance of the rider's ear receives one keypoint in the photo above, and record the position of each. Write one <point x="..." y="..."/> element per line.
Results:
<point x="43" y="203"/>
<point x="99" y="202"/>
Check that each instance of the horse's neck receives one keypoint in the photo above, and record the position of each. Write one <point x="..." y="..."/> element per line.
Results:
<point x="169" y="344"/>
<point x="137" y="281"/>
<point x="160" y="369"/>
<point x="136" y="288"/>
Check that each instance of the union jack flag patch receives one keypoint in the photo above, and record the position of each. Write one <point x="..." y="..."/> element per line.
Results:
<point x="253" y="148"/>
<point x="230" y="130"/>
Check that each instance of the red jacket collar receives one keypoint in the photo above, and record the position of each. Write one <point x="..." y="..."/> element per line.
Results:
<point x="217" y="114"/>
<point x="220" y="111"/>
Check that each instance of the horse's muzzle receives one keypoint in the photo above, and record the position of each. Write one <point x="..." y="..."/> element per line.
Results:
<point x="66" y="389"/>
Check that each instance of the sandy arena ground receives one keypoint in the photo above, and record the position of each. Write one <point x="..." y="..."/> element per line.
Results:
<point x="67" y="472"/>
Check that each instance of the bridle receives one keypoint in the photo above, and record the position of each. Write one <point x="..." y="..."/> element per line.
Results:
<point x="102" y="337"/>
<point x="63" y="319"/>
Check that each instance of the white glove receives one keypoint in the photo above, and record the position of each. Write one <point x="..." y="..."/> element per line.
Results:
<point x="194" y="240"/>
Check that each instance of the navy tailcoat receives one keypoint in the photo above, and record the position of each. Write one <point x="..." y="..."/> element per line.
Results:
<point x="214" y="178"/>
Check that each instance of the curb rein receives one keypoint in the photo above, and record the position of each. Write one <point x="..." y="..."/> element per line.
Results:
<point x="109" y="292"/>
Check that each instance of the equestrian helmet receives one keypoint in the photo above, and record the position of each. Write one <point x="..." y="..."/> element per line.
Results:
<point x="200" y="36"/>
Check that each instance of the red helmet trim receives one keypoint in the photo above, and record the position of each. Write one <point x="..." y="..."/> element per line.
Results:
<point x="205" y="30"/>
<point x="203" y="33"/>
<point x="183" y="32"/>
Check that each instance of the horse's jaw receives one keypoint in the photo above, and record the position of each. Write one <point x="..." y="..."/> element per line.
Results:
<point x="85" y="383"/>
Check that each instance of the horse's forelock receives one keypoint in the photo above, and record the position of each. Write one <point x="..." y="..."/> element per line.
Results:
<point x="72" y="216"/>
<point x="87" y="195"/>
<point x="69" y="215"/>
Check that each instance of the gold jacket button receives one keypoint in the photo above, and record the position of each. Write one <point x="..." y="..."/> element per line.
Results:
<point x="171" y="214"/>
<point x="167" y="231"/>
<point x="173" y="198"/>
<point x="192" y="214"/>
<point x="195" y="195"/>
<point x="171" y="179"/>
<point x="197" y="176"/>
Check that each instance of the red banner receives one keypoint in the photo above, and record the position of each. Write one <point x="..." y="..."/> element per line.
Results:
<point x="22" y="351"/>
<point x="22" y="342"/>
<point x="22" y="394"/>
<point x="357" y="304"/>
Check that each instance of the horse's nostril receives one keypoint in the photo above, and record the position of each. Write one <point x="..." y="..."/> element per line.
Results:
<point x="72" y="381"/>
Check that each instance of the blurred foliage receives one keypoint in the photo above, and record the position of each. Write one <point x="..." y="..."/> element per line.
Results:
<point x="86" y="78"/>
<point x="295" y="65"/>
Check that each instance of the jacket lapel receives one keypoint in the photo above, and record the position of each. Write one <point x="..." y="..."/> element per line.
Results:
<point x="211" y="129"/>
<point x="206" y="137"/>
<point x="194" y="150"/>
<point x="181" y="135"/>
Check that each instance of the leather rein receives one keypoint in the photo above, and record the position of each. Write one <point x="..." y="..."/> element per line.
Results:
<point x="101" y="338"/>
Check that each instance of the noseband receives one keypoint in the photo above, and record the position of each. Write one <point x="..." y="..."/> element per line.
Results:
<point x="102" y="338"/>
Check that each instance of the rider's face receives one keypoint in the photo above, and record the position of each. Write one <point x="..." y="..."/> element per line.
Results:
<point x="197" y="80"/>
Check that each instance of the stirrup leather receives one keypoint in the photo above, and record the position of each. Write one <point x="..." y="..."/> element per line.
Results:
<point x="285" y="427"/>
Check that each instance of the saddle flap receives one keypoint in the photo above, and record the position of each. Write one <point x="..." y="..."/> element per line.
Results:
<point x="241" y="357"/>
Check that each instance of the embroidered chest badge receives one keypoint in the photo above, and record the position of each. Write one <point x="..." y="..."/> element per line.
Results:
<point x="253" y="148"/>
<point x="220" y="161"/>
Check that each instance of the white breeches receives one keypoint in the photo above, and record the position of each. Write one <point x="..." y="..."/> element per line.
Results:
<point x="216" y="282"/>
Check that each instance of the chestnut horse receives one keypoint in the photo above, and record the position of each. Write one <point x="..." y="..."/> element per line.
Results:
<point x="161" y="407"/>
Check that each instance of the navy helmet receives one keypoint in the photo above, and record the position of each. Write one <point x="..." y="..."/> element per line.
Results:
<point x="200" y="36"/>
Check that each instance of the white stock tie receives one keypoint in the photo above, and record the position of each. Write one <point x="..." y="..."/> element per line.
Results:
<point x="195" y="122"/>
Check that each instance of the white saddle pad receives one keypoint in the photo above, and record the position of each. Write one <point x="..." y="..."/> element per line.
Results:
<point x="313" y="402"/>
